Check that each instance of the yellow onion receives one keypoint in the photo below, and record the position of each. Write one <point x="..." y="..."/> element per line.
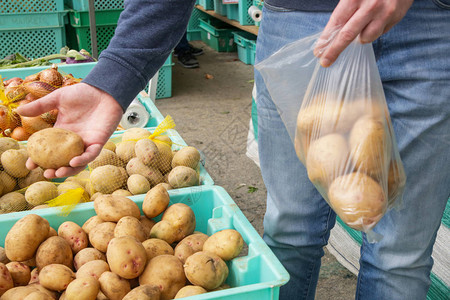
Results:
<point x="15" y="81"/>
<point x="51" y="76"/>
<point x="34" y="124"/>
<point x="8" y="119"/>
<point x="19" y="134"/>
<point x="31" y="78"/>
<point x="15" y="92"/>
<point x="50" y="116"/>
<point x="38" y="88"/>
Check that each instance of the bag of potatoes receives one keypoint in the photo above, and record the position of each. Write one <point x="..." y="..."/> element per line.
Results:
<point x="338" y="120"/>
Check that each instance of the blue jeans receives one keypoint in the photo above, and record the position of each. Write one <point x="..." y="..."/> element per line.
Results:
<point x="414" y="63"/>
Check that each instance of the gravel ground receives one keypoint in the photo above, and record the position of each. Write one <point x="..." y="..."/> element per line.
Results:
<point x="213" y="115"/>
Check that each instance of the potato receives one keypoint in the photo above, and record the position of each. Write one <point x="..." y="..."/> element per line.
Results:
<point x="86" y="255"/>
<point x="206" y="270"/>
<point x="52" y="148"/>
<point x="91" y="223"/>
<point x="94" y="268"/>
<point x="187" y="156"/>
<point x="3" y="258"/>
<point x="138" y="184"/>
<point x="370" y="146"/>
<point x="101" y="296"/>
<point x="189" y="245"/>
<point x="147" y="152"/>
<point x="107" y="179"/>
<point x="135" y="134"/>
<point x="110" y="146"/>
<point x="163" y="138"/>
<point x="155" y="247"/>
<point x="38" y="295"/>
<point x="155" y="202"/>
<point x="165" y="157"/>
<point x="13" y="201"/>
<point x="358" y="200"/>
<point x="13" y="162"/>
<point x="54" y="250"/>
<point x="82" y="178"/>
<point x="7" y="144"/>
<point x="164" y="230"/>
<point x="165" y="185"/>
<point x="144" y="292"/>
<point x="227" y="244"/>
<point x="327" y="159"/>
<point x="106" y="157"/>
<point x="122" y="192"/>
<point x="130" y="226"/>
<point x="34" y="276"/>
<point x="6" y="281"/>
<point x="42" y="206"/>
<point x="56" y="277"/>
<point x="40" y="192"/>
<point x="126" y="151"/>
<point x="66" y="186"/>
<point x="25" y="236"/>
<point x="113" y="208"/>
<point x="33" y="176"/>
<point x="113" y="286"/>
<point x="153" y="175"/>
<point x="85" y="288"/>
<point x="7" y="182"/>
<point x="222" y="287"/>
<point x="101" y="235"/>
<point x="147" y="224"/>
<point x="51" y="232"/>
<point x="20" y="273"/>
<point x="126" y="257"/>
<point x="165" y="271"/>
<point x="74" y="235"/>
<point x="94" y="196"/>
<point x="182" y="218"/>
<point x="18" y="293"/>
<point x="182" y="176"/>
<point x="39" y="287"/>
<point x="30" y="262"/>
<point x="190" y="290"/>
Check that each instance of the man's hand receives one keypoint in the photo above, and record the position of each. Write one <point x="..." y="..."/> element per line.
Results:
<point x="367" y="18"/>
<point x="91" y="113"/>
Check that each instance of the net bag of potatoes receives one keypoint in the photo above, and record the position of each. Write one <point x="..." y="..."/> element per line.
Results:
<point x="19" y="91"/>
<point x="133" y="162"/>
<point x="339" y="123"/>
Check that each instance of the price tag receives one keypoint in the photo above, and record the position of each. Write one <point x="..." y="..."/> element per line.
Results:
<point x="209" y="36"/>
<point x="230" y="1"/>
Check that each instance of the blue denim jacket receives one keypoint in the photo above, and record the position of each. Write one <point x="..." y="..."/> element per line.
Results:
<point x="146" y="33"/>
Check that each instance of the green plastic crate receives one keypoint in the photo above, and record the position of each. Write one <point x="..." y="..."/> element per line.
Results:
<point x="106" y="23"/>
<point x="218" y="35"/>
<point x="30" y="6"/>
<point x="245" y="42"/>
<point x="164" y="86"/>
<point x="81" y="71"/>
<point x="239" y="12"/>
<point x="258" y="274"/>
<point x="193" y="29"/>
<point x="220" y="8"/>
<point x="194" y="35"/>
<point x="98" y="4"/>
<point x="32" y="34"/>
<point x="207" y="4"/>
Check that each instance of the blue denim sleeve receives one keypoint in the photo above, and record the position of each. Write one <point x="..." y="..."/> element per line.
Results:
<point x="146" y="33"/>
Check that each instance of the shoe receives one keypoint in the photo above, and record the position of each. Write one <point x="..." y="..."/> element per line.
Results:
<point x="195" y="51"/>
<point x="187" y="60"/>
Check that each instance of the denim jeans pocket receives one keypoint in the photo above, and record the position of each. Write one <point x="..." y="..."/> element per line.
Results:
<point x="445" y="4"/>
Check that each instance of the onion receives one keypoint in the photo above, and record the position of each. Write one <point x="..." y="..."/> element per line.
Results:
<point x="15" y="93"/>
<point x="19" y="134"/>
<point x="8" y="120"/>
<point x="39" y="89"/>
<point x="34" y="124"/>
<point x="51" y="76"/>
<point x="50" y="117"/>
<point x="31" y="78"/>
<point x="15" y="81"/>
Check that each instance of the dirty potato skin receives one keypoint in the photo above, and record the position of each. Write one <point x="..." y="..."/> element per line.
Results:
<point x="206" y="270"/>
<point x="126" y="256"/>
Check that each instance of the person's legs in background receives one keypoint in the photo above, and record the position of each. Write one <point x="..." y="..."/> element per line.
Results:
<point x="186" y="53"/>
<point x="415" y="69"/>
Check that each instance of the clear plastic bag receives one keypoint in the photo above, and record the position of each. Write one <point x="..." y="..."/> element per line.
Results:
<point x="338" y="120"/>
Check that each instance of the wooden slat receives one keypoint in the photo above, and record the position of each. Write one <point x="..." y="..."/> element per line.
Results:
<point x="248" y="28"/>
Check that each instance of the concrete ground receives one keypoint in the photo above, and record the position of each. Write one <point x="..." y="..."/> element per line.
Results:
<point x="211" y="106"/>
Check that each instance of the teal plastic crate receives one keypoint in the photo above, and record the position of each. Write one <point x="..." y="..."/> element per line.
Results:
<point x="106" y="23"/>
<point x="218" y="35"/>
<point x="220" y="8"/>
<point x="81" y="71"/>
<point x="32" y="34"/>
<point x="258" y="274"/>
<point x="193" y="29"/>
<point x="28" y="6"/>
<point x="245" y="42"/>
<point x="207" y="4"/>
<point x="98" y="4"/>
<point x="178" y="143"/>
<point x="239" y="12"/>
<point x="194" y="35"/>
<point x="164" y="86"/>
